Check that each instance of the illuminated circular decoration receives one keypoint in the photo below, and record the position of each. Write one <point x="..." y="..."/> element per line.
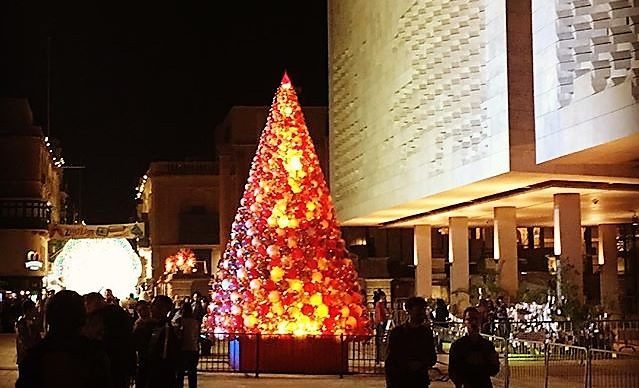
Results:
<point x="183" y="261"/>
<point x="93" y="265"/>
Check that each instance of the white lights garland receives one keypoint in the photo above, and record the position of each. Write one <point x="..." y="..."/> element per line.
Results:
<point x="140" y="188"/>
<point x="57" y="162"/>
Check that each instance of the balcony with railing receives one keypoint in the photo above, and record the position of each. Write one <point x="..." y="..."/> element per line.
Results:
<point x="24" y="214"/>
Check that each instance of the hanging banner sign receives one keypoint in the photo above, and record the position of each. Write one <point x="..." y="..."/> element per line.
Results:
<point x="65" y="232"/>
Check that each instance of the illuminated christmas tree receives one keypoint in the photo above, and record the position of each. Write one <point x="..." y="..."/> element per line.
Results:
<point x="285" y="269"/>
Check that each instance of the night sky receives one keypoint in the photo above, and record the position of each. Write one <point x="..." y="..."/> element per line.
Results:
<point x="137" y="81"/>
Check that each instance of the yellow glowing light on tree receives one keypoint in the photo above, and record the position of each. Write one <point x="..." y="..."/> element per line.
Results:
<point x="277" y="308"/>
<point x="321" y="311"/>
<point x="316" y="299"/>
<point x="277" y="274"/>
<point x="283" y="222"/>
<point x="295" y="284"/>
<point x="296" y="163"/>
<point x="250" y="321"/>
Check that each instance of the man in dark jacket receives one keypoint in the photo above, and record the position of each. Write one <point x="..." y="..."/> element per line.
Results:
<point x="473" y="358"/>
<point x="162" y="358"/>
<point x="411" y="349"/>
<point x="110" y="325"/>
<point x="64" y="358"/>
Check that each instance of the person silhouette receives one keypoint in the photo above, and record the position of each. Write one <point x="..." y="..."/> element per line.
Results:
<point x="28" y="329"/>
<point x="64" y="358"/>
<point x="163" y="355"/>
<point x="473" y="358"/>
<point x="411" y="349"/>
<point x="380" y="317"/>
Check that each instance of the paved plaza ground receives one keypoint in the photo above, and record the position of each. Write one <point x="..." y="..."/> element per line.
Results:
<point x="9" y="373"/>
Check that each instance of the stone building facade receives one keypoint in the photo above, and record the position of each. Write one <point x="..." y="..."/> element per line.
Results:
<point x="30" y="196"/>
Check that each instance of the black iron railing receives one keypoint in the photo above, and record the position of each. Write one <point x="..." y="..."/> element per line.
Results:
<point x="221" y="354"/>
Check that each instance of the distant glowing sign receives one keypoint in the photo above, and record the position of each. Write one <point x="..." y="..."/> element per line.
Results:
<point x="88" y="265"/>
<point x="33" y="262"/>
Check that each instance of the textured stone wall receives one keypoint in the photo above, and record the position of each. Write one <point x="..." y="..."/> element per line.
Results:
<point x="418" y="99"/>
<point x="586" y="67"/>
<point x="597" y="39"/>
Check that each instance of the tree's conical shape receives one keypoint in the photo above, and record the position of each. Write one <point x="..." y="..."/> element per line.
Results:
<point x="285" y="269"/>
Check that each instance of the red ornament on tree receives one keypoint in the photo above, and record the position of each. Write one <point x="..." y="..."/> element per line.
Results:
<point x="285" y="249"/>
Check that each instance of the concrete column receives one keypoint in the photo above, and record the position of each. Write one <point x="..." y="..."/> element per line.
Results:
<point x="423" y="261"/>
<point x="609" y="295"/>
<point x="458" y="257"/>
<point x="505" y="248"/>
<point x="568" y="241"/>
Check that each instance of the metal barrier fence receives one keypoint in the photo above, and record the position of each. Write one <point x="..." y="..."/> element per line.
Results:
<point x="538" y="364"/>
<point x="448" y="331"/>
<point x="621" y="335"/>
<point x="566" y="365"/>
<point x="363" y="356"/>
<point x="524" y="363"/>
<point x="609" y="369"/>
<point x="215" y="355"/>
<point x="501" y="346"/>
<point x="603" y="334"/>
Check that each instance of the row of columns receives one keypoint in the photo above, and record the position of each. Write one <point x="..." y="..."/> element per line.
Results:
<point x="568" y="245"/>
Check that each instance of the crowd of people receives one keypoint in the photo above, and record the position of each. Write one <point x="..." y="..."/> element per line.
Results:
<point x="95" y="341"/>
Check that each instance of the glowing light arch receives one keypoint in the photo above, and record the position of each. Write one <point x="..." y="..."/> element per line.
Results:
<point x="88" y="265"/>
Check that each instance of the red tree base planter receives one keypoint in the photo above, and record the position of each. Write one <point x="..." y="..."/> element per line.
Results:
<point x="284" y="354"/>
